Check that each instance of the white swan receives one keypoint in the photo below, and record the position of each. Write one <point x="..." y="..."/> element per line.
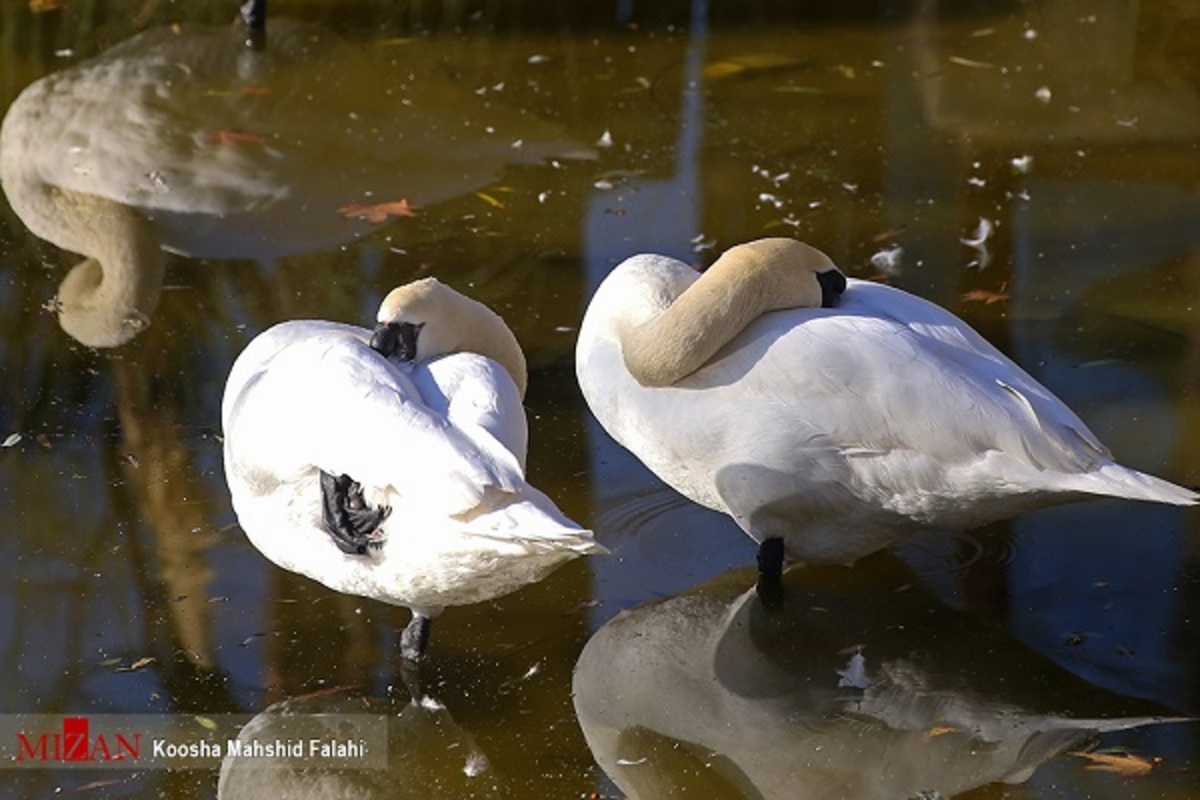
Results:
<point x="328" y="427"/>
<point x="180" y="139"/>
<point x="832" y="431"/>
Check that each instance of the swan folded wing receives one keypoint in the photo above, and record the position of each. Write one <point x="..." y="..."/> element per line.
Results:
<point x="369" y="421"/>
<point x="877" y="385"/>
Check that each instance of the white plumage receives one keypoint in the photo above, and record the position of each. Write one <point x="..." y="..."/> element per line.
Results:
<point x="838" y="430"/>
<point x="441" y="440"/>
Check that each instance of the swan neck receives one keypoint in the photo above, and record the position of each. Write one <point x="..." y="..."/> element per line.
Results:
<point x="742" y="285"/>
<point x="488" y="335"/>
<point x="108" y="297"/>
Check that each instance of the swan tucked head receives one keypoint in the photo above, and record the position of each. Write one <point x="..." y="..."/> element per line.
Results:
<point x="426" y="319"/>
<point x="98" y="318"/>
<point x="696" y="316"/>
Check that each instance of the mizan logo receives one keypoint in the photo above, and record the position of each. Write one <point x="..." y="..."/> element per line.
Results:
<point x="74" y="743"/>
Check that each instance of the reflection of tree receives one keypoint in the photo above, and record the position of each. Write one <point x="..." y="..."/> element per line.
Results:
<point x="172" y="501"/>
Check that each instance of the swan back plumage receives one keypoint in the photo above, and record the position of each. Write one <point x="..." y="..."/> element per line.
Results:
<point x="440" y="441"/>
<point x="842" y="429"/>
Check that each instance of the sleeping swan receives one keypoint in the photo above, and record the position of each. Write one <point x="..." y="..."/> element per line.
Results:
<point x="831" y="432"/>
<point x="392" y="465"/>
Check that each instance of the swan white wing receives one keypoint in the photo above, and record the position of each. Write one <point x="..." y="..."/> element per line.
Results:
<point x="317" y="396"/>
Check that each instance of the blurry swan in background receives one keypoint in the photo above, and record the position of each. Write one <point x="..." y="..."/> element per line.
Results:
<point x="181" y="139"/>
<point x="862" y="685"/>
<point x="827" y="416"/>
<point x="428" y="755"/>
<point x="392" y="465"/>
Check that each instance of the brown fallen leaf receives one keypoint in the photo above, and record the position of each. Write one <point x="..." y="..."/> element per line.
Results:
<point x="1125" y="764"/>
<point x="233" y="137"/>
<point x="938" y="730"/>
<point x="986" y="296"/>
<point x="378" y="212"/>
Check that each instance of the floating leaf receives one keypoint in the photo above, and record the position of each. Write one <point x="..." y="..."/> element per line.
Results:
<point x="233" y="137"/>
<point x="487" y="198"/>
<point x="11" y="440"/>
<point x="378" y="212"/>
<point x="985" y="296"/>
<point x="749" y="63"/>
<point x="1125" y="764"/>
<point x="206" y="723"/>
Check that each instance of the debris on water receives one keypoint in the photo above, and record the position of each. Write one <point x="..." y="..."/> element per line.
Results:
<point x="986" y="296"/>
<point x="378" y="212"/>
<point x="1043" y="94"/>
<point x="628" y="762"/>
<point x="139" y="664"/>
<point x="887" y="260"/>
<point x="477" y="764"/>
<point x="1119" y="762"/>
<point x="968" y="62"/>
<point x="11" y="440"/>
<point x="982" y="231"/>
<point x="1021" y="164"/>
<point x="605" y="139"/>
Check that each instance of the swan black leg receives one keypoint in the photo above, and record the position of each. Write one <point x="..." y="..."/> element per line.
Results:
<point x="412" y="648"/>
<point x="346" y="516"/>
<point x="415" y="638"/>
<point x="770" y="572"/>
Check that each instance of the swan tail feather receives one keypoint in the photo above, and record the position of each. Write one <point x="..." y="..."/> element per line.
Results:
<point x="1115" y="480"/>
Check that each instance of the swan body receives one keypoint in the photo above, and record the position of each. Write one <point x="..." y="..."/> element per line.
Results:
<point x="837" y="430"/>
<point x="182" y="140"/>
<point x="440" y="439"/>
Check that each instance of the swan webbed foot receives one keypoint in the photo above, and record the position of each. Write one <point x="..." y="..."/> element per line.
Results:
<point x="770" y="573"/>
<point x="346" y="516"/>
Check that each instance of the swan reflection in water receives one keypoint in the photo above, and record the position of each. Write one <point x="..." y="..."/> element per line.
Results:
<point x="181" y="139"/>
<point x="429" y="756"/>
<point x="862" y="685"/>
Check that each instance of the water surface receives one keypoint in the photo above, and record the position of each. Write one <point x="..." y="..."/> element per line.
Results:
<point x="1069" y="130"/>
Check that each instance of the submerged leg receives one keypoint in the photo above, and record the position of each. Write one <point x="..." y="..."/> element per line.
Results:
<point x="412" y="648"/>
<point x="415" y="638"/>
<point x="254" y="16"/>
<point x="347" y="517"/>
<point x="770" y="572"/>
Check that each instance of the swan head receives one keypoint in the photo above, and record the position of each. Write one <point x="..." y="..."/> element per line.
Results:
<point x="670" y="322"/>
<point x="96" y="318"/>
<point x="797" y="275"/>
<point x="425" y="319"/>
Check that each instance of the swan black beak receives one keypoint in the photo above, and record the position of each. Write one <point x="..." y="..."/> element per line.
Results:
<point x="833" y="283"/>
<point x="396" y="339"/>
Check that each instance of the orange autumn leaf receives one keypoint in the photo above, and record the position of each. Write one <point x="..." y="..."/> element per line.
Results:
<point x="378" y="212"/>
<point x="1126" y="764"/>
<point x="233" y="137"/>
<point x="985" y="296"/>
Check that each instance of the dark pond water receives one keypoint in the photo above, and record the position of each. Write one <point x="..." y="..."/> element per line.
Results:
<point x="886" y="134"/>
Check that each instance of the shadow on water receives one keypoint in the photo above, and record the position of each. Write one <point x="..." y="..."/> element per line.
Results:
<point x="859" y="128"/>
